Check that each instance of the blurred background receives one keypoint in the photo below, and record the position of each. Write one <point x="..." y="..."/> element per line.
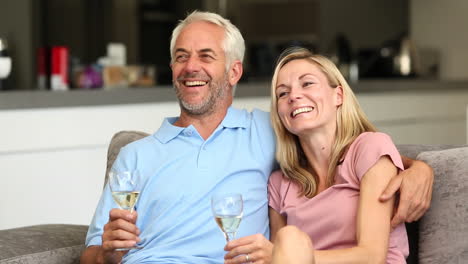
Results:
<point x="366" y="38"/>
<point x="109" y="62"/>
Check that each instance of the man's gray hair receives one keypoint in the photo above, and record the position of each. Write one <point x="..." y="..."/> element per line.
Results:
<point x="233" y="44"/>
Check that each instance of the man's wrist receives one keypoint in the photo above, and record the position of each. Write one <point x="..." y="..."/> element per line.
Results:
<point x="110" y="256"/>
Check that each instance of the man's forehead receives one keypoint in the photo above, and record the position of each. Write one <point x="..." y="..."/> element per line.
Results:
<point x="200" y="36"/>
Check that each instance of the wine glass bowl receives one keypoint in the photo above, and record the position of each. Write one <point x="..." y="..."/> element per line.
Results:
<point x="228" y="211"/>
<point x="125" y="187"/>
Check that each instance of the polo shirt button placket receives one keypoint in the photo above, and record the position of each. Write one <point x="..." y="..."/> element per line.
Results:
<point x="203" y="161"/>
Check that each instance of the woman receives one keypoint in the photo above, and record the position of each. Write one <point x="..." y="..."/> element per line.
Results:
<point x="334" y="166"/>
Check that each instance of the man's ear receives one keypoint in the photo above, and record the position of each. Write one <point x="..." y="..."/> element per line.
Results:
<point x="339" y="95"/>
<point x="235" y="72"/>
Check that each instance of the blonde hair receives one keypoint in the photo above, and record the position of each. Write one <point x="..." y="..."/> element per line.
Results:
<point x="351" y="122"/>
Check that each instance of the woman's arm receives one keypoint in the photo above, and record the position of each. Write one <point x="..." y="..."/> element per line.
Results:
<point x="277" y="221"/>
<point x="373" y="220"/>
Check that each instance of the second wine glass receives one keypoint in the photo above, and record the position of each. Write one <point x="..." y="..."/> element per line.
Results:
<point x="227" y="211"/>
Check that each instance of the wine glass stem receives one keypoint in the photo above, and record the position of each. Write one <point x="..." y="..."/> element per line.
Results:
<point x="230" y="236"/>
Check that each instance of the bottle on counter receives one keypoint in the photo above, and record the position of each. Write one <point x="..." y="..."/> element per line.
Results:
<point x="53" y="68"/>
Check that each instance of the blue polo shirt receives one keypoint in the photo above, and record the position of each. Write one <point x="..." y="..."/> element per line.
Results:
<point x="181" y="173"/>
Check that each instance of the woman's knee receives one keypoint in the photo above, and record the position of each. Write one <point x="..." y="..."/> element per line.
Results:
<point x="292" y="246"/>
<point x="290" y="235"/>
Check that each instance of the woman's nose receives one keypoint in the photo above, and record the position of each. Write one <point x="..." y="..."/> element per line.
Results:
<point x="294" y="95"/>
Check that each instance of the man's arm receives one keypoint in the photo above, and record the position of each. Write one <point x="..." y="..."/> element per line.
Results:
<point x="96" y="255"/>
<point x="119" y="232"/>
<point x="91" y="255"/>
<point x="415" y="187"/>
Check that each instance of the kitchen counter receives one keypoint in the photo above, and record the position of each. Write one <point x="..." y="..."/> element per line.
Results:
<point x="46" y="99"/>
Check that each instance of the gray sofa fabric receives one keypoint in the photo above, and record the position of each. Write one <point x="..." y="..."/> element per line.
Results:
<point x="42" y="244"/>
<point x="443" y="229"/>
<point x="64" y="243"/>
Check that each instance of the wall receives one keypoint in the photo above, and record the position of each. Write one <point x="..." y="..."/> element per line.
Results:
<point x="18" y="26"/>
<point x="53" y="160"/>
<point x="441" y="26"/>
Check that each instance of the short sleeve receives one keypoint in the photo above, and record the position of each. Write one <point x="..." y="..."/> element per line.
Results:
<point x="274" y="190"/>
<point x="369" y="147"/>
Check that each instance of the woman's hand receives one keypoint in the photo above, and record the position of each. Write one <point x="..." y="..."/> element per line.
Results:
<point x="250" y="249"/>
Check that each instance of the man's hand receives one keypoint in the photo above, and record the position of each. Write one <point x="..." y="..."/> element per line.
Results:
<point x="119" y="232"/>
<point x="249" y="249"/>
<point x="415" y="186"/>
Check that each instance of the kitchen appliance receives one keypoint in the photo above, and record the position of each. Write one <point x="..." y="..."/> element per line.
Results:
<point x="395" y="58"/>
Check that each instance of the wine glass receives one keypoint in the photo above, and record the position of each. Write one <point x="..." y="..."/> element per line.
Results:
<point x="125" y="187"/>
<point x="227" y="211"/>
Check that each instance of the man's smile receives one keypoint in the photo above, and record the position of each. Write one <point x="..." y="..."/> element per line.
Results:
<point x="194" y="83"/>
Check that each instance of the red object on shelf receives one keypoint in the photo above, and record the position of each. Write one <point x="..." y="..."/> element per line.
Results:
<point x="59" y="68"/>
<point x="42" y="68"/>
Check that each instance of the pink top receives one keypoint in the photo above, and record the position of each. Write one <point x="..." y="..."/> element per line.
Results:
<point x="329" y="218"/>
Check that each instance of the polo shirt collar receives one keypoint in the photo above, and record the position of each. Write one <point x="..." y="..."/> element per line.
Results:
<point x="234" y="118"/>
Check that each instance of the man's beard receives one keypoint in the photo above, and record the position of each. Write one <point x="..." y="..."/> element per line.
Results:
<point x="217" y="92"/>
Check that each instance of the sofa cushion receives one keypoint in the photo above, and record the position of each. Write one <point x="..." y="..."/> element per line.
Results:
<point x="42" y="244"/>
<point x="412" y="150"/>
<point x="444" y="228"/>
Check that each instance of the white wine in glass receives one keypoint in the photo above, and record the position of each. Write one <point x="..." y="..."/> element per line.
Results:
<point x="126" y="199"/>
<point x="227" y="211"/>
<point x="125" y="188"/>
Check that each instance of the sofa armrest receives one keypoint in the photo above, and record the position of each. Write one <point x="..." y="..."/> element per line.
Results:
<point x="42" y="244"/>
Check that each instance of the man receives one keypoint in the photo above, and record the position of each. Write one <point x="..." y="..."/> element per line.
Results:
<point x="210" y="148"/>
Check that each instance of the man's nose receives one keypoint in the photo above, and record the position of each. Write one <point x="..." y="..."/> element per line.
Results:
<point x="192" y="65"/>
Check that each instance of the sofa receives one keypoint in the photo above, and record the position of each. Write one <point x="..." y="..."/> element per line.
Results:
<point x="439" y="237"/>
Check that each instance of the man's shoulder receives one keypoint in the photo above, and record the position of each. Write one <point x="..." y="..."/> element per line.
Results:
<point x="141" y="144"/>
<point x="255" y="115"/>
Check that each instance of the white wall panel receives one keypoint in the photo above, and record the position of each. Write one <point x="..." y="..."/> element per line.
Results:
<point x="51" y="186"/>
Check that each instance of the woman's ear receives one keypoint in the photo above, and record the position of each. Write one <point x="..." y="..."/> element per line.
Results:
<point x="235" y="72"/>
<point x="339" y="95"/>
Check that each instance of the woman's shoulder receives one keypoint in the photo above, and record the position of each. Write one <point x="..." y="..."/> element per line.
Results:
<point x="367" y="148"/>
<point x="278" y="179"/>
<point x="371" y="137"/>
<point x="277" y="176"/>
<point x="371" y="140"/>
